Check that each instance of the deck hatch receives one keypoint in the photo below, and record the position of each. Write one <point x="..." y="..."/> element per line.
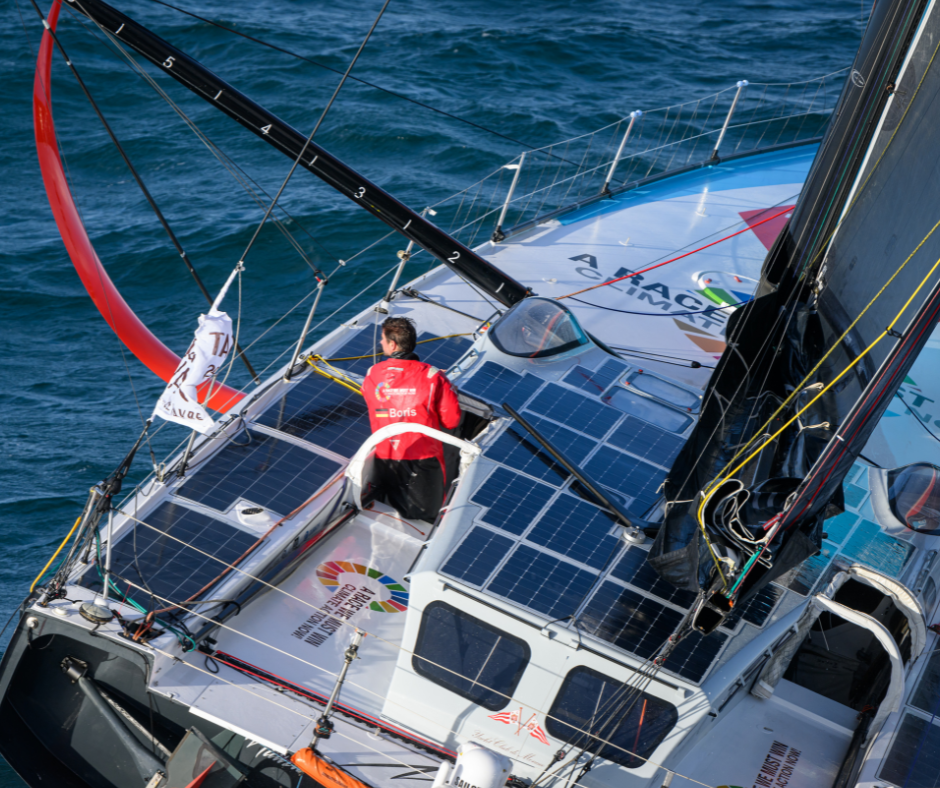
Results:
<point x="264" y="470"/>
<point x="154" y="556"/>
<point x="321" y="412"/>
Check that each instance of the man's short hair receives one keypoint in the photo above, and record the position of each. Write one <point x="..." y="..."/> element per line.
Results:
<point x="401" y="331"/>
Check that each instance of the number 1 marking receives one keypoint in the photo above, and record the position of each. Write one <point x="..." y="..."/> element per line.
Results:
<point x="119" y="29"/>
<point x="216" y="97"/>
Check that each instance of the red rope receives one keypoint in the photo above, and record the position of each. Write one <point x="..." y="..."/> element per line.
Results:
<point x="660" y="265"/>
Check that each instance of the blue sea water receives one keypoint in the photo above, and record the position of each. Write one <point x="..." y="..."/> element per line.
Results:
<point x="539" y="72"/>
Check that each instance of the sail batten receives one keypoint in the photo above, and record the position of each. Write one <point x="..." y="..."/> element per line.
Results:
<point x="190" y="73"/>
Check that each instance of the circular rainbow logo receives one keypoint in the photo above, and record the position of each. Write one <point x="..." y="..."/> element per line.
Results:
<point x="330" y="571"/>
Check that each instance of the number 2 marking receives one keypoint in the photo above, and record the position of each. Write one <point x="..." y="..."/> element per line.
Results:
<point x="454" y="258"/>
<point x="360" y="193"/>
<point x="168" y="63"/>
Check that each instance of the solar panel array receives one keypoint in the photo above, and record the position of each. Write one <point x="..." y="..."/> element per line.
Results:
<point x="596" y="381"/>
<point x="540" y="541"/>
<point x="264" y="470"/>
<point x="495" y="384"/>
<point x="322" y="412"/>
<point x="168" y="555"/>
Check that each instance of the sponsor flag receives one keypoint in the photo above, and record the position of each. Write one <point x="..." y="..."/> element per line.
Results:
<point x="203" y="359"/>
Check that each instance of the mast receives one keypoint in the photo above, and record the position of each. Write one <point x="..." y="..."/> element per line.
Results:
<point x="464" y="262"/>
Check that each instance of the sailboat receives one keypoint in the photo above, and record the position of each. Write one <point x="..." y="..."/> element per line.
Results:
<point x="643" y="573"/>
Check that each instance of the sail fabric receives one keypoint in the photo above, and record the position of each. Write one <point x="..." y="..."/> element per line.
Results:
<point x="201" y="362"/>
<point x="839" y="277"/>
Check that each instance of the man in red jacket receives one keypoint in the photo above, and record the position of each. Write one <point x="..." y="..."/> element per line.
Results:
<point x="409" y="468"/>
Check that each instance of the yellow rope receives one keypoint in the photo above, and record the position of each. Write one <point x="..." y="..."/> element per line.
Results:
<point x="336" y="378"/>
<point x="713" y="485"/>
<point x="56" y="553"/>
<point x="373" y="355"/>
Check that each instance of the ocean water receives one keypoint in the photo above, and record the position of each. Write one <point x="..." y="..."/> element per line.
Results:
<point x="72" y="398"/>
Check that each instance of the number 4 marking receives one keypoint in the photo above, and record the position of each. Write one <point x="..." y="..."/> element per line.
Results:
<point x="267" y="129"/>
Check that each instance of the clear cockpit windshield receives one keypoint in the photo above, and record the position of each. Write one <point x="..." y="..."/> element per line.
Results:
<point x="536" y="328"/>
<point x="914" y="495"/>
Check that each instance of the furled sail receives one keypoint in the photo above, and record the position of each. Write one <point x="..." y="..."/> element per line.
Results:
<point x="847" y="298"/>
<point x="463" y="261"/>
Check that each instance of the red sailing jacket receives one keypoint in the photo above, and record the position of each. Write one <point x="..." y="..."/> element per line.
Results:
<point x="396" y="390"/>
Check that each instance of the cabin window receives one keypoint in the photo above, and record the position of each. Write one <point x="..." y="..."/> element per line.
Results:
<point x="538" y="327"/>
<point x="468" y="656"/>
<point x="591" y="703"/>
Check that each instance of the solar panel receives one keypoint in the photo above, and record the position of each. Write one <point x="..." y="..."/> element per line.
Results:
<point x="322" y="412"/>
<point x="495" y="384"/>
<point x="629" y="620"/>
<point x="694" y="655"/>
<point x="582" y="413"/>
<point x="541" y="582"/>
<point x="597" y="381"/>
<point x="577" y="530"/>
<point x="513" y="500"/>
<point x="477" y="556"/>
<point x="626" y="474"/>
<point x="264" y="470"/>
<point x="632" y="567"/>
<point x="519" y="450"/>
<point x="646" y="441"/>
<point x="172" y="570"/>
<point x="364" y="342"/>
<point x="757" y="609"/>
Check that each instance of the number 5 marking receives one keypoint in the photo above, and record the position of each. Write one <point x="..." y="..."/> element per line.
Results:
<point x="168" y="63"/>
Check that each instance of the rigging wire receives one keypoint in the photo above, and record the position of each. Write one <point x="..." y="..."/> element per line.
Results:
<point x="93" y="28"/>
<point x="135" y="174"/>
<point x="600" y="740"/>
<point x="525" y="145"/>
<point x="310" y="137"/>
<point x="918" y="418"/>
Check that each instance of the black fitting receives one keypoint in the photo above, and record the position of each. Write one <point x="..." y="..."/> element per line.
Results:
<point x="324" y="728"/>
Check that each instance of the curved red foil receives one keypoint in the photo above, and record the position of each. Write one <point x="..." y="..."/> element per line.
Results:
<point x="156" y="356"/>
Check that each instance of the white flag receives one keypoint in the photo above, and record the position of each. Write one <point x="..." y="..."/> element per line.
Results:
<point x="202" y="361"/>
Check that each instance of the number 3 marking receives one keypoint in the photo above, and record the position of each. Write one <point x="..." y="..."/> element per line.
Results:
<point x="360" y="193"/>
<point x="168" y="63"/>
